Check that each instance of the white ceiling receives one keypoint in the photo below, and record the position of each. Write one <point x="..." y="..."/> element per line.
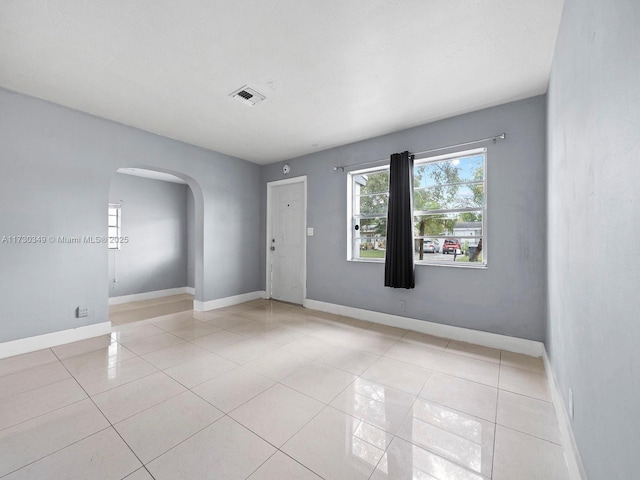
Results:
<point x="333" y="71"/>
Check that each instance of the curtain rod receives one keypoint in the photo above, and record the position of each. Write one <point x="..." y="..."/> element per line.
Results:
<point x="495" y="138"/>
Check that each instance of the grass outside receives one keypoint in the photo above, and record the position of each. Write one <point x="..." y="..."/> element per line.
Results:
<point x="372" y="253"/>
<point x="464" y="258"/>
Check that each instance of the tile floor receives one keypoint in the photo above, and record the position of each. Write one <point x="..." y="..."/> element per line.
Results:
<point x="145" y="309"/>
<point x="266" y="390"/>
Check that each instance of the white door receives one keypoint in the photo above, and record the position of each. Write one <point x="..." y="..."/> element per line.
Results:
<point x="286" y="242"/>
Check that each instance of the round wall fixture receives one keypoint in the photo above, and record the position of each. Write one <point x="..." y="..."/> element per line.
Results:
<point x="286" y="168"/>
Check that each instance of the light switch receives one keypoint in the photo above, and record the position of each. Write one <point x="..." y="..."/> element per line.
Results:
<point x="310" y="232"/>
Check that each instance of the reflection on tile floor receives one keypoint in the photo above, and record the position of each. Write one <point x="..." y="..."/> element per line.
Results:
<point x="146" y="309"/>
<point x="266" y="390"/>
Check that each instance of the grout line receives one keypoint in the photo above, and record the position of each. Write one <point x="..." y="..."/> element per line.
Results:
<point x="48" y="411"/>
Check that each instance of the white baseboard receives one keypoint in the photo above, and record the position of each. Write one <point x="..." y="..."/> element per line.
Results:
<point x="48" y="340"/>
<point x="227" y="301"/>
<point x="137" y="297"/>
<point x="571" y="452"/>
<point x="493" y="340"/>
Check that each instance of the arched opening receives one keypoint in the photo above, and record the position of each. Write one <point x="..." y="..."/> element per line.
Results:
<point x="154" y="245"/>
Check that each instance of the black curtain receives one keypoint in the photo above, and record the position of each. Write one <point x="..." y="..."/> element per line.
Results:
<point x="398" y="264"/>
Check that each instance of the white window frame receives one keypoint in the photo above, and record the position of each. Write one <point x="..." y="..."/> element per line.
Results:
<point x="113" y="242"/>
<point x="352" y="253"/>
<point x="351" y="214"/>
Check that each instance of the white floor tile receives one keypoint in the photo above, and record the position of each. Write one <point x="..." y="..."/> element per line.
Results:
<point x="524" y="382"/>
<point x="244" y="351"/>
<point x="233" y="388"/>
<point x="335" y="445"/>
<point x="372" y="342"/>
<point x="176" y="322"/>
<point x="456" y="436"/>
<point x="425" y="340"/>
<point x="83" y="346"/>
<point x="122" y="402"/>
<point x="277" y="413"/>
<point x="342" y="336"/>
<point x="223" y="450"/>
<point x="421" y="356"/>
<point x="27" y="405"/>
<point x="521" y="456"/>
<point x="156" y="430"/>
<point x="140" y="474"/>
<point x="216" y="341"/>
<point x="131" y="332"/>
<point x="253" y="328"/>
<point x="228" y="321"/>
<point x="304" y="325"/>
<point x="101" y="359"/>
<point x="518" y="360"/>
<point x="403" y="376"/>
<point x="405" y="461"/>
<point x="319" y="381"/>
<point x="528" y="415"/>
<point x="258" y="315"/>
<point x="278" y="364"/>
<point x="282" y="467"/>
<point x="102" y="456"/>
<point x="142" y="346"/>
<point x="352" y="361"/>
<point x="102" y="379"/>
<point x="470" y="350"/>
<point x="200" y="369"/>
<point x="32" y="378"/>
<point x="26" y="361"/>
<point x="194" y="331"/>
<point x="279" y="336"/>
<point x="470" y="397"/>
<point x="175" y="355"/>
<point x="387" y="330"/>
<point x="470" y="369"/>
<point x="375" y="403"/>
<point x="308" y="346"/>
<point x="34" y="439"/>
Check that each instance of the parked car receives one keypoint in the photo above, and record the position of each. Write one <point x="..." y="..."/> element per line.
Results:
<point x="451" y="245"/>
<point x="431" y="246"/>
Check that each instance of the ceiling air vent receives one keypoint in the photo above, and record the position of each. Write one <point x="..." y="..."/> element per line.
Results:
<point x="247" y="95"/>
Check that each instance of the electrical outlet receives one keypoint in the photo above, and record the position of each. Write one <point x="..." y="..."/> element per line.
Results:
<point x="82" y="312"/>
<point x="571" y="404"/>
<point x="403" y="306"/>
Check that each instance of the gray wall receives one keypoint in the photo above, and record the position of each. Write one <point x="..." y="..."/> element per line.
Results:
<point x="191" y="240"/>
<point x="508" y="297"/>
<point x="57" y="166"/>
<point x="154" y="220"/>
<point x="593" y="333"/>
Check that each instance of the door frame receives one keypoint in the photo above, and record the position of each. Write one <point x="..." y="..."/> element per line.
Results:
<point x="278" y="183"/>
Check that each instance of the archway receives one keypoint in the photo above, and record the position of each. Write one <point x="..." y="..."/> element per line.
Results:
<point x="155" y="265"/>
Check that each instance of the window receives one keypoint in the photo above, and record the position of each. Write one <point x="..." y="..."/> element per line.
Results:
<point x="370" y="198"/>
<point x="449" y="210"/>
<point x="113" y="228"/>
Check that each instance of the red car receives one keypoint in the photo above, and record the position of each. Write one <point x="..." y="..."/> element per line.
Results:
<point x="451" y="245"/>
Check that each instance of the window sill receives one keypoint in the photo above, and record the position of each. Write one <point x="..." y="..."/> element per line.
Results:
<point x="473" y="266"/>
